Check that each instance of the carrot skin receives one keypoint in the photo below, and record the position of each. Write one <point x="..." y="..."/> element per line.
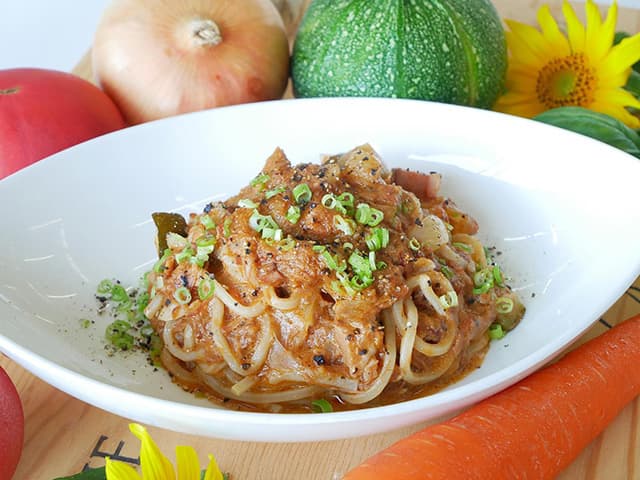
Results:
<point x="533" y="429"/>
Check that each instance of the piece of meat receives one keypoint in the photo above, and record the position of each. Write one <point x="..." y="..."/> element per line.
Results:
<point x="425" y="186"/>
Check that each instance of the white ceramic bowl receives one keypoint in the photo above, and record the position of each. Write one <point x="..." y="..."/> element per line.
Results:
<point x="562" y="208"/>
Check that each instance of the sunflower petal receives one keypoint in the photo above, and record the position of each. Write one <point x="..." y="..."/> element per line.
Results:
<point x="515" y="98"/>
<point x="557" y="41"/>
<point x="521" y="81"/>
<point x="608" y="80"/>
<point x="594" y="20"/>
<point x="622" y="56"/>
<point x="529" y="38"/>
<point x="154" y="465"/>
<point x="119" y="471"/>
<point x="613" y="103"/>
<point x="519" y="104"/>
<point x="575" y="29"/>
<point x="593" y="26"/>
<point x="599" y="36"/>
<point x="213" y="471"/>
<point x="187" y="463"/>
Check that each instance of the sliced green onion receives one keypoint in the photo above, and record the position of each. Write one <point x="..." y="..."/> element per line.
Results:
<point x="496" y="332"/>
<point x="199" y="259"/>
<point x="184" y="255"/>
<point x="318" y="248"/>
<point x="449" y="299"/>
<point x="361" y="282"/>
<point x="345" y="283"/>
<point x="482" y="277"/>
<point x="302" y="194"/>
<point x="504" y="305"/>
<point x="226" y="227"/>
<point x="372" y="261"/>
<point x="182" y="295"/>
<point x="463" y="246"/>
<point x="359" y="264"/>
<point x="367" y="215"/>
<point x="329" y="200"/>
<point x="206" y="241"/>
<point x="247" y="203"/>
<point x="321" y="406"/>
<point x="343" y="224"/>
<point x="376" y="217"/>
<point x="117" y="333"/>
<point x="287" y="244"/>
<point x="381" y="265"/>
<point x="484" y="288"/>
<point x="203" y="252"/>
<point x="414" y="244"/>
<point x="483" y="281"/>
<point x="206" y="221"/>
<point x="105" y="286"/>
<point x="330" y="260"/>
<point x="377" y="239"/>
<point x="363" y="273"/>
<point x="497" y="276"/>
<point x="270" y="233"/>
<point x="346" y="199"/>
<point x="260" y="180"/>
<point x="446" y="271"/>
<point x="293" y="214"/>
<point x="259" y="222"/>
<point x="141" y="302"/>
<point x="332" y="202"/>
<point x="347" y="246"/>
<point x="274" y="192"/>
<point x="145" y="281"/>
<point x="119" y="294"/>
<point x="206" y="288"/>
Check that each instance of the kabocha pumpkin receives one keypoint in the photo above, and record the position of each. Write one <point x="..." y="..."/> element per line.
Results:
<point x="452" y="51"/>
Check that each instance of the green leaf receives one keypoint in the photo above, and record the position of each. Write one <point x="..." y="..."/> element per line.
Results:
<point x="91" y="474"/>
<point x="595" y="125"/>
<point x="633" y="84"/>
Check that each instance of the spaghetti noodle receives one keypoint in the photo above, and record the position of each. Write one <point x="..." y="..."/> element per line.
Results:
<point x="340" y="280"/>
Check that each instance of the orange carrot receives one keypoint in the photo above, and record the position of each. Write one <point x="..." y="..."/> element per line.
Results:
<point x="531" y="430"/>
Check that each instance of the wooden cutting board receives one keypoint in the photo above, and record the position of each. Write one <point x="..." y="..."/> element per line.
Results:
<point x="64" y="435"/>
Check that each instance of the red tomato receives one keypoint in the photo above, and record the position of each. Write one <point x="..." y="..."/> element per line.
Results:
<point x="45" y="111"/>
<point x="11" y="426"/>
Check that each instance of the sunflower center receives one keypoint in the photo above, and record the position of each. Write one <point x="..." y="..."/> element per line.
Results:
<point x="566" y="81"/>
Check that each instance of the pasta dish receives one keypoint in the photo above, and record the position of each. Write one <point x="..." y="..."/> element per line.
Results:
<point x="341" y="281"/>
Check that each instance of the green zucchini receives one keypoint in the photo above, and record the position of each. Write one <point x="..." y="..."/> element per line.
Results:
<point x="451" y="51"/>
<point x="595" y="125"/>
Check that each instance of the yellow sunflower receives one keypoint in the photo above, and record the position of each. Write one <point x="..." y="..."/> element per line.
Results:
<point x="548" y="69"/>
<point x="155" y="466"/>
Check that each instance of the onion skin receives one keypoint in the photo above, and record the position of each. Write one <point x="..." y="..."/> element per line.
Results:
<point x="148" y="58"/>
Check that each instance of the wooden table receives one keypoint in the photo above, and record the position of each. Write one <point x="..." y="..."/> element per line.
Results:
<point x="64" y="435"/>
